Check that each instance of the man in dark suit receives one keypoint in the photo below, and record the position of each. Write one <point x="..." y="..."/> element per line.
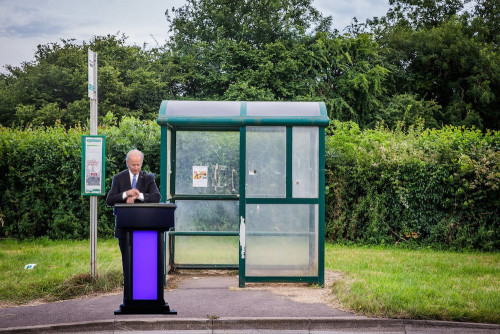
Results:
<point x="131" y="186"/>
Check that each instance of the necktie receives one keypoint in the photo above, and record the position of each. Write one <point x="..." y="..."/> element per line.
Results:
<point x="134" y="182"/>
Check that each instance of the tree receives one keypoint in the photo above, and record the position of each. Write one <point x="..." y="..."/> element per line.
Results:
<point x="440" y="52"/>
<point x="419" y="14"/>
<point x="130" y="82"/>
<point x="486" y="21"/>
<point x="350" y="78"/>
<point x="256" y="22"/>
<point x="275" y="50"/>
<point x="435" y="60"/>
<point x="408" y="110"/>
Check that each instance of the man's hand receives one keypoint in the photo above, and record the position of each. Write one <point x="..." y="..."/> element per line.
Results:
<point x="132" y="193"/>
<point x="131" y="199"/>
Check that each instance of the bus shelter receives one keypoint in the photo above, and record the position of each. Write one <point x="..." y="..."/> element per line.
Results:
<point x="248" y="179"/>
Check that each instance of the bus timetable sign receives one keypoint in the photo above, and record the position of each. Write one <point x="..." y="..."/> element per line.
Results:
<point x="93" y="165"/>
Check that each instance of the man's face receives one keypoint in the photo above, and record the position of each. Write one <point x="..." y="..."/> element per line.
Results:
<point x="134" y="164"/>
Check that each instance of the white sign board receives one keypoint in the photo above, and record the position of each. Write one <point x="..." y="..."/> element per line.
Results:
<point x="91" y="75"/>
<point x="93" y="165"/>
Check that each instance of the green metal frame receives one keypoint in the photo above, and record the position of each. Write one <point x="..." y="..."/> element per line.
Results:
<point x="206" y="197"/>
<point x="243" y="176"/>
<point x="172" y="234"/>
<point x="282" y="279"/>
<point x="289" y="199"/>
<point x="239" y="123"/>
<point x="321" y="208"/>
<point x="164" y="163"/>
<point x="175" y="197"/>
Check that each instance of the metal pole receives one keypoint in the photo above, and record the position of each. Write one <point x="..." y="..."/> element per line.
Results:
<point x="93" y="199"/>
<point x="93" y="235"/>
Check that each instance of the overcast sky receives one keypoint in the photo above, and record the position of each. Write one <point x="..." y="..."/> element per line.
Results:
<point x="24" y="24"/>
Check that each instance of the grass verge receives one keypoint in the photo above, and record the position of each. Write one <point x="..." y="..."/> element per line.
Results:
<point x="376" y="281"/>
<point x="417" y="284"/>
<point x="61" y="271"/>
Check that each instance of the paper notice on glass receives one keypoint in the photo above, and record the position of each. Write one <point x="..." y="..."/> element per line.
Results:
<point x="200" y="176"/>
<point x="93" y="164"/>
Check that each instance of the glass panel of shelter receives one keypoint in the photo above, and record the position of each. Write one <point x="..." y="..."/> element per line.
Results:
<point x="305" y="156"/>
<point x="280" y="240"/>
<point x="207" y="164"/>
<point x="281" y="233"/>
<point x="266" y="162"/>
<point x="205" y="189"/>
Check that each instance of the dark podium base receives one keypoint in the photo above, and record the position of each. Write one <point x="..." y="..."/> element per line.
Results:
<point x="143" y="256"/>
<point x="145" y="309"/>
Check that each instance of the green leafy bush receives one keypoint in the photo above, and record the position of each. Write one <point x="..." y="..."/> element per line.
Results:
<point x="415" y="186"/>
<point x="40" y="177"/>
<point x="438" y="187"/>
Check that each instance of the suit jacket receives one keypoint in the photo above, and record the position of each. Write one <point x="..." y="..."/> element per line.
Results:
<point x="121" y="182"/>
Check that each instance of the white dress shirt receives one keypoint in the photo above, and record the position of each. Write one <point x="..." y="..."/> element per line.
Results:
<point x="141" y="195"/>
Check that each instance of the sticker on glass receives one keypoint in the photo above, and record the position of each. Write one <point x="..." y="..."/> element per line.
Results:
<point x="200" y="176"/>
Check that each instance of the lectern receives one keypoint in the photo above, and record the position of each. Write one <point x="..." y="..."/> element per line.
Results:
<point x="144" y="226"/>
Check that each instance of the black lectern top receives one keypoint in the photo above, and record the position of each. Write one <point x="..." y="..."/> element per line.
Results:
<point x="145" y="216"/>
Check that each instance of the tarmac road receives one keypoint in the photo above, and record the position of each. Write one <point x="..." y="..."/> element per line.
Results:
<point x="214" y="304"/>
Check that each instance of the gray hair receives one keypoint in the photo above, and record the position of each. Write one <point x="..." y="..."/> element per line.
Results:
<point x="134" y="153"/>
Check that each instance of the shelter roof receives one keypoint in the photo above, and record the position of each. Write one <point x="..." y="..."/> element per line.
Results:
<point x="231" y="114"/>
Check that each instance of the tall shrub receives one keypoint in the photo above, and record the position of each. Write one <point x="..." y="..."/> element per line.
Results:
<point x="40" y="173"/>
<point x="424" y="186"/>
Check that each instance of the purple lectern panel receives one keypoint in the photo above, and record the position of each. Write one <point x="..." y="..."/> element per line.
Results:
<point x="145" y="265"/>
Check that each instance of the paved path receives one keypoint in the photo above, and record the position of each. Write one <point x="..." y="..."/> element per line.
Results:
<point x="214" y="304"/>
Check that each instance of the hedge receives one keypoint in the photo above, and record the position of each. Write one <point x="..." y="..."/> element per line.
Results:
<point x="40" y="174"/>
<point x="436" y="187"/>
